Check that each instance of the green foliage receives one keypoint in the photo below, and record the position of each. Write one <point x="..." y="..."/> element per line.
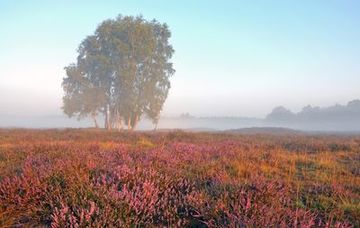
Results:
<point x="122" y="71"/>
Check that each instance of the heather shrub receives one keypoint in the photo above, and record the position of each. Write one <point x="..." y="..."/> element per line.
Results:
<point x="89" y="178"/>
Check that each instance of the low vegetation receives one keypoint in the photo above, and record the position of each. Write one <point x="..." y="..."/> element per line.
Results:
<point x="80" y="178"/>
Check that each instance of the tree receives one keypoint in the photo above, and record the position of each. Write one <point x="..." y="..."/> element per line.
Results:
<point x="82" y="97"/>
<point x="122" y="72"/>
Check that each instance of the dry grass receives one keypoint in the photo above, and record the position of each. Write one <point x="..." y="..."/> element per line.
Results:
<point x="79" y="178"/>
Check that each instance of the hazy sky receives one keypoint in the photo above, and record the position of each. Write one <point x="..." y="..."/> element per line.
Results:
<point x="238" y="58"/>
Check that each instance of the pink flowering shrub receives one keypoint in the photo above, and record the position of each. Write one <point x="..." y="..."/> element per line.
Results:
<point x="88" y="178"/>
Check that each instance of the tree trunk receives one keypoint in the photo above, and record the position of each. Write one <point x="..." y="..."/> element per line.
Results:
<point x="119" y="124"/>
<point x="156" y="126"/>
<point x="129" y="123"/>
<point x="136" y="120"/>
<point x="156" y="122"/>
<point x="107" y="118"/>
<point x="118" y="120"/>
<point x="95" y="121"/>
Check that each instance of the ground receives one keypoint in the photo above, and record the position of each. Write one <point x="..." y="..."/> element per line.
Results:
<point x="80" y="178"/>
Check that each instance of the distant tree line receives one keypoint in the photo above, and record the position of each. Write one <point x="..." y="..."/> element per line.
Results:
<point x="122" y="73"/>
<point x="343" y="113"/>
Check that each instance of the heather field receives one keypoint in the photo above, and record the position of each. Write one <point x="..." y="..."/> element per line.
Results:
<point x="94" y="178"/>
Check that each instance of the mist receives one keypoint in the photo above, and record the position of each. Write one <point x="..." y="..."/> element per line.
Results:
<point x="231" y="70"/>
<point x="336" y="118"/>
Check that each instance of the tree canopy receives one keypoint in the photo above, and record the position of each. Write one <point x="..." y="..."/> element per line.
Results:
<point x="122" y="72"/>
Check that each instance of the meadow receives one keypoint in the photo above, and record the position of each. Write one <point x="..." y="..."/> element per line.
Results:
<point x="94" y="178"/>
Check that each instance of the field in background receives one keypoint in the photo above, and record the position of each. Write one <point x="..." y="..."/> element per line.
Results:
<point x="79" y="178"/>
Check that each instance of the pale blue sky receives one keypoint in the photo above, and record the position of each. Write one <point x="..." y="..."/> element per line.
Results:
<point x="237" y="58"/>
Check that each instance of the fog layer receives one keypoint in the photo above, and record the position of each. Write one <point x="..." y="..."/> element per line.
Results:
<point x="342" y="118"/>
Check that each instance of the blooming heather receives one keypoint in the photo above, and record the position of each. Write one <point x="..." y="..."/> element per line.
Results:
<point x="91" y="178"/>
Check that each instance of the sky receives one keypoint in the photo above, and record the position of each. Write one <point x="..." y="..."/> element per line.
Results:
<point x="232" y="58"/>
